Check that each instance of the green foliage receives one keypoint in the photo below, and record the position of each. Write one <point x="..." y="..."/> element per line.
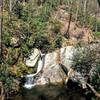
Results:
<point x="87" y="62"/>
<point x="30" y="23"/>
<point x="18" y="8"/>
<point x="95" y="80"/>
<point x="24" y="15"/>
<point x="40" y="40"/>
<point x="95" y="98"/>
<point x="37" y="25"/>
<point x="25" y="50"/>
<point x="6" y="77"/>
<point x="11" y="55"/>
<point x="22" y="69"/>
<point x="91" y="21"/>
<point x="85" y="59"/>
<point x="56" y="26"/>
<point x="98" y="25"/>
<point x="48" y="7"/>
<point x="7" y="38"/>
<point x="45" y="12"/>
<point x="97" y="34"/>
<point x="58" y="41"/>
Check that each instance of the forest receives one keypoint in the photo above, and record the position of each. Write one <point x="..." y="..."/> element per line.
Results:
<point x="48" y="26"/>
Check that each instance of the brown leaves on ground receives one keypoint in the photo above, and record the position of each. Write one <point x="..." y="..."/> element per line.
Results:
<point x="76" y="32"/>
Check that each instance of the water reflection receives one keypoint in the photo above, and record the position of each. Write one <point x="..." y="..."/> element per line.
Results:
<point x="50" y="93"/>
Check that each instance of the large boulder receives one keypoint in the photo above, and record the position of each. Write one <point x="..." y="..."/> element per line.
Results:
<point x="33" y="58"/>
<point x="53" y="67"/>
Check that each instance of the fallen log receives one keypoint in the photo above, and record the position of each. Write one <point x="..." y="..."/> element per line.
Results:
<point x="93" y="90"/>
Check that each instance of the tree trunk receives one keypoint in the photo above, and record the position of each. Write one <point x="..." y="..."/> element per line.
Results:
<point x="96" y="16"/>
<point x="93" y="90"/>
<point x="10" y="9"/>
<point x="70" y="17"/>
<point x="77" y="10"/>
<point x="67" y="35"/>
<point x="10" y="6"/>
<point x="85" y="12"/>
<point x="1" y="26"/>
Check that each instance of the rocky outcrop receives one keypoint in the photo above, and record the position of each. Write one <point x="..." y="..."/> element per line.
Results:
<point x="50" y="71"/>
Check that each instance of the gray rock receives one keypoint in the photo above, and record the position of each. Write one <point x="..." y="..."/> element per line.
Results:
<point x="33" y="58"/>
<point x="51" y="72"/>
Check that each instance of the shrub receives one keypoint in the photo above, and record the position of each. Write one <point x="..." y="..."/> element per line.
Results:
<point x="6" y="38"/>
<point x="86" y="58"/>
<point x="95" y="79"/>
<point x="56" y="26"/>
<point x="87" y="62"/>
<point x="41" y="42"/>
<point x="58" y="41"/>
<point x="7" y="79"/>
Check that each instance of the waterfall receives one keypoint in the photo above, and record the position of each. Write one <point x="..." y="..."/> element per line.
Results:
<point x="30" y="79"/>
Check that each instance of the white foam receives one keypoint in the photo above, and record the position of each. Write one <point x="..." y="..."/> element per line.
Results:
<point x="29" y="86"/>
<point x="30" y="75"/>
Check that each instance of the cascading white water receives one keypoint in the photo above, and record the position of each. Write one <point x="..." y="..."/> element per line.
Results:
<point x="30" y="79"/>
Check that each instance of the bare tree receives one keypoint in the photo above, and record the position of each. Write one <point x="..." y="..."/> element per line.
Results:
<point x="77" y="10"/>
<point x="85" y="12"/>
<point x="96" y="16"/>
<point x="1" y="25"/>
<point x="10" y="6"/>
<point x="67" y="35"/>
